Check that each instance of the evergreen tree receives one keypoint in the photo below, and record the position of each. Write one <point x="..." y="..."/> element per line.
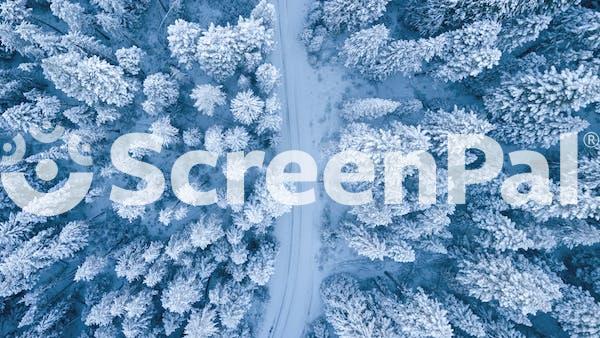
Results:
<point x="183" y="37"/>
<point x="377" y="244"/>
<point x="213" y="139"/>
<point x="469" y="51"/>
<point x="439" y="124"/>
<point x="461" y="316"/>
<point x="351" y="312"/>
<point x="247" y="107"/>
<point x="353" y="15"/>
<point x="71" y="13"/>
<point x="376" y="142"/>
<point x="575" y="29"/>
<point x="130" y="262"/>
<point x="408" y="57"/>
<point x="432" y="16"/>
<point x="454" y="55"/>
<point x="236" y="139"/>
<point x="267" y="77"/>
<point x="16" y="228"/>
<point x="577" y="313"/>
<point x="232" y="301"/>
<point x="535" y="106"/>
<point x="181" y="294"/>
<point x="161" y="92"/>
<point x="362" y="50"/>
<point x="101" y="314"/>
<point x="164" y="131"/>
<point x="265" y="11"/>
<point x="38" y="110"/>
<point x="528" y="291"/>
<point x="14" y="11"/>
<point x="90" y="80"/>
<point x="20" y="267"/>
<point x="261" y="263"/>
<point x="119" y="13"/>
<point x="418" y="315"/>
<point x="369" y="108"/>
<point x="91" y="267"/>
<point x="130" y="59"/>
<point x="218" y="52"/>
<point x="192" y="137"/>
<point x="205" y="231"/>
<point x="222" y="50"/>
<point x="202" y="324"/>
<point x="207" y="98"/>
<point x="31" y="40"/>
<point x="255" y="40"/>
<point x="522" y="30"/>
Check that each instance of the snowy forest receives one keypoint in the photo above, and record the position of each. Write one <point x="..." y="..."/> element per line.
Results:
<point x="321" y="76"/>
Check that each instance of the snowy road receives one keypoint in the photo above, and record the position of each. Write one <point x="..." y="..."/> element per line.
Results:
<point x="294" y="287"/>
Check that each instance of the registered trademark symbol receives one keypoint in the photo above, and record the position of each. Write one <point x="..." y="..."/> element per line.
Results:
<point x="591" y="140"/>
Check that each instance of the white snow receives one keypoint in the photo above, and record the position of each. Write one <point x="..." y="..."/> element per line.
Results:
<point x="294" y="287"/>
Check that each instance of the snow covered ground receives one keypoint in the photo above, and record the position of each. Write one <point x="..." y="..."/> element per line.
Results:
<point x="306" y="93"/>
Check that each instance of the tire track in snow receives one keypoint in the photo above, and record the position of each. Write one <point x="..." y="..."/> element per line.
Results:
<point x="305" y="92"/>
<point x="287" y="293"/>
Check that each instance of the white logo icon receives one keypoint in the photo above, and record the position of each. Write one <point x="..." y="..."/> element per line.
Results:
<point x="39" y="203"/>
